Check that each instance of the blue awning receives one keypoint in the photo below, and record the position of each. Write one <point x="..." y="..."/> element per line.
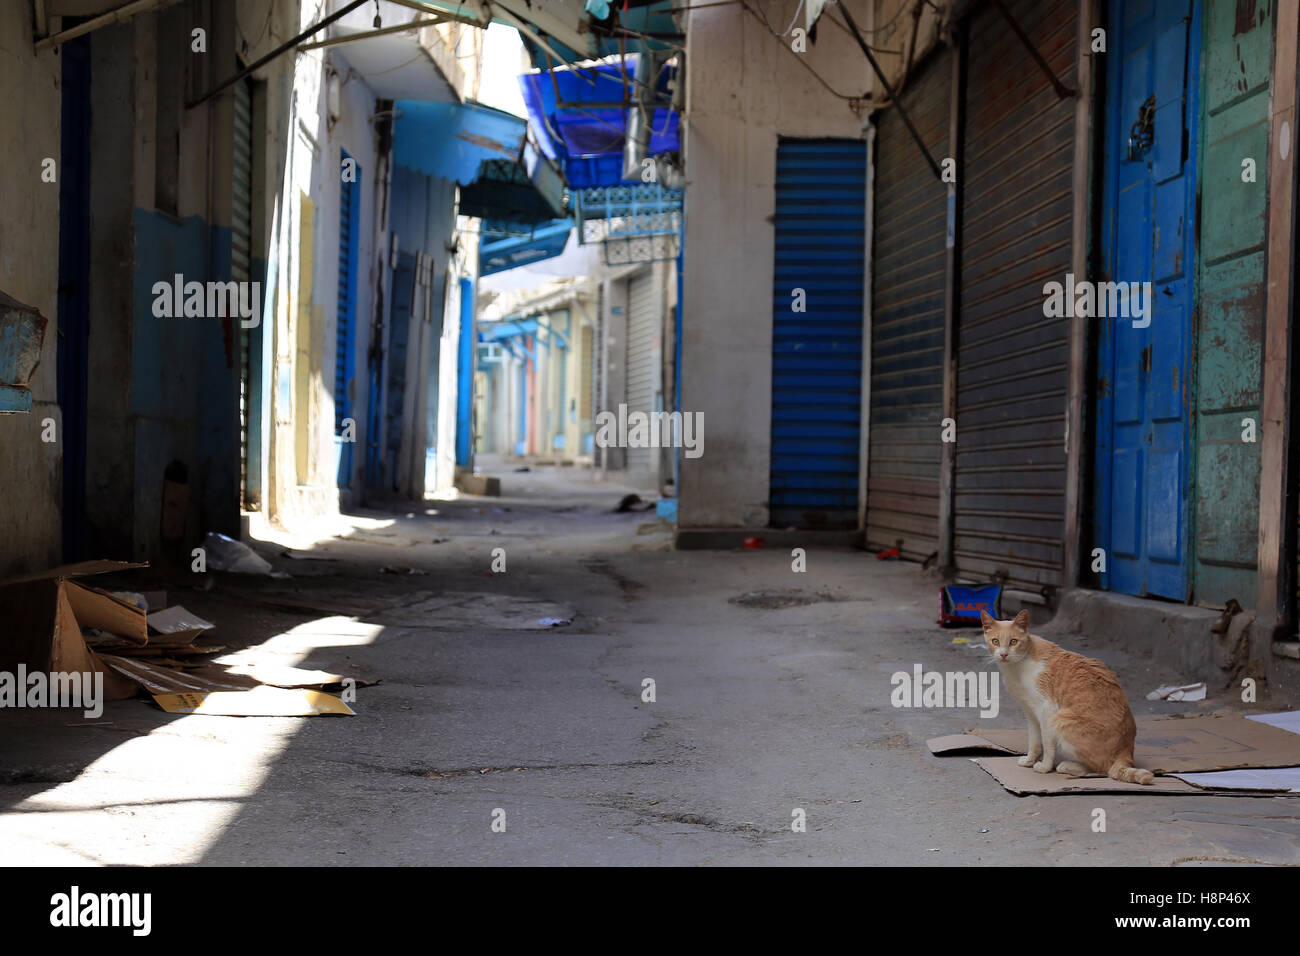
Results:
<point x="508" y="330"/>
<point x="544" y="242"/>
<point x="485" y="150"/>
<point x="588" y="141"/>
<point x="452" y="140"/>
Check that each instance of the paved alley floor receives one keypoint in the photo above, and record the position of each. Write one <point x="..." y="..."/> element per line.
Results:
<point x="759" y="711"/>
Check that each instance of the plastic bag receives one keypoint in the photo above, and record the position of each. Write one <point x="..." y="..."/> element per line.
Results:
<point x="227" y="554"/>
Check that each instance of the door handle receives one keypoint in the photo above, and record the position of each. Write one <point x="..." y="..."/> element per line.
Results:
<point x="1143" y="132"/>
<point x="1146" y="359"/>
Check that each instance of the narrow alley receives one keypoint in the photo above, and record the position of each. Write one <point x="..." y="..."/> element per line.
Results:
<point x="648" y="433"/>
<point x="771" y="693"/>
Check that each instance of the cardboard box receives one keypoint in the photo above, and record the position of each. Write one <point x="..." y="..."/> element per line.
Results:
<point x="44" y="614"/>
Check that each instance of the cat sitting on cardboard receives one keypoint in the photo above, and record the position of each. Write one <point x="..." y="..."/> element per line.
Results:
<point x="1080" y="722"/>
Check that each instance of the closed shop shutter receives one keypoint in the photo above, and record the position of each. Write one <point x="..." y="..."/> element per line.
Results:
<point x="1012" y="360"/>
<point x="821" y="187"/>
<point x="345" y="328"/>
<point x="644" y="310"/>
<point x="907" y="316"/>
<point x="241" y="254"/>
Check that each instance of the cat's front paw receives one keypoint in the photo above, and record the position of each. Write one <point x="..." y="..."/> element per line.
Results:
<point x="1028" y="760"/>
<point x="1042" y="767"/>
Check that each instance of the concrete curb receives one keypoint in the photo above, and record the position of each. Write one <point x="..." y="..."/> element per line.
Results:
<point x="724" y="539"/>
<point x="1175" y="635"/>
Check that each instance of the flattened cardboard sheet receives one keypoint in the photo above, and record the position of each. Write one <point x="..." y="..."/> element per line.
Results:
<point x="1226" y="754"/>
<point x="176" y="625"/>
<point x="169" y="680"/>
<point x="1284" y="780"/>
<point x="1164" y="744"/>
<point x="258" y="702"/>
<point x="1025" y="780"/>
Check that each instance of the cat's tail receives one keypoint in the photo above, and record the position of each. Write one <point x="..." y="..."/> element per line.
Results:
<point x="1123" y="769"/>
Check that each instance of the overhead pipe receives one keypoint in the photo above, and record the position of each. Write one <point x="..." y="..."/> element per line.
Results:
<point x="120" y="15"/>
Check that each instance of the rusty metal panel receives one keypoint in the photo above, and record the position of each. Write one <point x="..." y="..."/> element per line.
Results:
<point x="907" y="319"/>
<point x="1012" y="360"/>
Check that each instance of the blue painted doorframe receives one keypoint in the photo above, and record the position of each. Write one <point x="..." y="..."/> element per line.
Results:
<point x="465" y="377"/>
<point x="1144" y="391"/>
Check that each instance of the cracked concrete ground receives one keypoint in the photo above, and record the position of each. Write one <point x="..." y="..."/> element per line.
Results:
<point x="759" y="710"/>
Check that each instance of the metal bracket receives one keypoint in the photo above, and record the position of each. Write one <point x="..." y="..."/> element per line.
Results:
<point x="1062" y="91"/>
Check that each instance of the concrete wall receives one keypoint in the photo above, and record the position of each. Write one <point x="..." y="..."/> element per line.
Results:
<point x="744" y="89"/>
<point x="302" y="158"/>
<point x="30" y="469"/>
<point x="910" y="27"/>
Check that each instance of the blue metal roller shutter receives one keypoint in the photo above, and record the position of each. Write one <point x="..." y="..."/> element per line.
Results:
<point x="817" y="353"/>
<point x="345" y="334"/>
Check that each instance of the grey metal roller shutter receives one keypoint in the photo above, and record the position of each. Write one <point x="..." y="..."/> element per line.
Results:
<point x="1012" y="361"/>
<point x="908" y="277"/>
<point x="643" y="313"/>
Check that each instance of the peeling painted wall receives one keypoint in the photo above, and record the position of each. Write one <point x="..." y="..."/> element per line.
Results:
<point x="30" y="469"/>
<point x="1238" y="44"/>
<point x="745" y="88"/>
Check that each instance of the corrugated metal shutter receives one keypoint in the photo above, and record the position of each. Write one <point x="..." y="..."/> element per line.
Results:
<point x="1012" y="363"/>
<point x="241" y="252"/>
<point x="586" y="379"/>
<point x="821" y="188"/>
<point x="598" y="359"/>
<point x="346" y="304"/>
<point x="643" y="313"/>
<point x="908" y="275"/>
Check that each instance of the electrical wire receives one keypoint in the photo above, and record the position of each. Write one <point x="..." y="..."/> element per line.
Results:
<point x="645" y="36"/>
<point x="704" y="6"/>
<point x="266" y="24"/>
<point x="856" y="98"/>
<point x="794" y="19"/>
<point x="902" y="8"/>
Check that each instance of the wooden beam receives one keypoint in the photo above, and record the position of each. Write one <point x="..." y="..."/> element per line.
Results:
<point x="1076" y="454"/>
<point x="1274" y="605"/>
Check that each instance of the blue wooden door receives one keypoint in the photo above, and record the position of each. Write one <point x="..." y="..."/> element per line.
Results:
<point x="817" y="332"/>
<point x="1148" y="229"/>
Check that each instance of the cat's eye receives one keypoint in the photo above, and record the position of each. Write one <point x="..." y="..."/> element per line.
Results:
<point x="1014" y="641"/>
<point x="995" y="642"/>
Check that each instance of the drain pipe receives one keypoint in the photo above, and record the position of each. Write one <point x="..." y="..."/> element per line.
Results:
<point x="637" y="144"/>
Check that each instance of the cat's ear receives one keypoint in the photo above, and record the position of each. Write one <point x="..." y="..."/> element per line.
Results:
<point x="1022" y="620"/>
<point x="986" y="619"/>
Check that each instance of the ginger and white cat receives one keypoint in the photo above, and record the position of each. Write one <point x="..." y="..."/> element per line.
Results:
<point x="1079" y="718"/>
